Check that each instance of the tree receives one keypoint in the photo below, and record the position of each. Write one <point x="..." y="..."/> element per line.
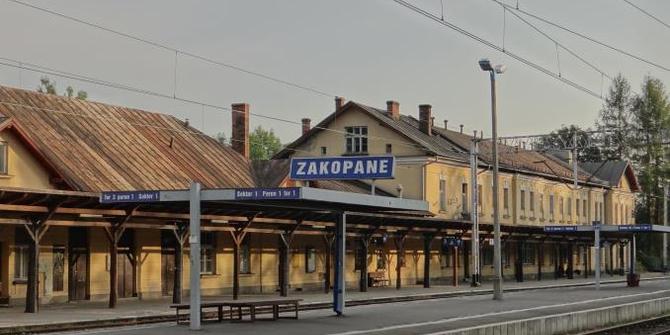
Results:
<point x="264" y="144"/>
<point x="615" y="120"/>
<point x="563" y="139"/>
<point x="49" y="87"/>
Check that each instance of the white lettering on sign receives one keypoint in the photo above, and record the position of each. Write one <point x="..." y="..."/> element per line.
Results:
<point x="342" y="168"/>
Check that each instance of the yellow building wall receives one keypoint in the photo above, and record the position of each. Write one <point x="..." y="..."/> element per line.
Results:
<point x="23" y="170"/>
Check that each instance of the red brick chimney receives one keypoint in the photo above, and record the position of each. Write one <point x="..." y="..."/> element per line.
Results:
<point x="306" y="125"/>
<point x="240" y="136"/>
<point x="339" y="102"/>
<point x="425" y="119"/>
<point x="393" y="107"/>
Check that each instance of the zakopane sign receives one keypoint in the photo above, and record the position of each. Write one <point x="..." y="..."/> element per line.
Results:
<point x="339" y="168"/>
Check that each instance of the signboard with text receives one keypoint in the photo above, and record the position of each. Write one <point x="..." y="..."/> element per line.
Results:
<point x="635" y="228"/>
<point x="560" y="229"/>
<point x="277" y="193"/>
<point x="129" y="196"/>
<point x="340" y="168"/>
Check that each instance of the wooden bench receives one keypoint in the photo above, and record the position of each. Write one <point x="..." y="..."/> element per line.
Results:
<point x="378" y="279"/>
<point x="250" y="306"/>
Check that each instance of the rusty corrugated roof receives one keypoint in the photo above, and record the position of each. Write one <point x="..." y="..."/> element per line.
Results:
<point x="98" y="147"/>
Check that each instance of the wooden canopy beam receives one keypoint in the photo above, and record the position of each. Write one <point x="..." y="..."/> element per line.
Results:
<point x="114" y="233"/>
<point x="238" y="234"/>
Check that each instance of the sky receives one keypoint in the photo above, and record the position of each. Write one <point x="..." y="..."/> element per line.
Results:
<point x="368" y="51"/>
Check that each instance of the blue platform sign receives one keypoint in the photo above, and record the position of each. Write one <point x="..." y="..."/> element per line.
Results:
<point x="452" y="242"/>
<point x="276" y="193"/>
<point x="129" y="196"/>
<point x="340" y="168"/>
<point x="635" y="228"/>
<point x="560" y="229"/>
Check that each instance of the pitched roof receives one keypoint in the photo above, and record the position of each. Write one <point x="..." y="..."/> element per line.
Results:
<point x="407" y="127"/>
<point x="612" y="172"/>
<point x="454" y="145"/>
<point x="98" y="147"/>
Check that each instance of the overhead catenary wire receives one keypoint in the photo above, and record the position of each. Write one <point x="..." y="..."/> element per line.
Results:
<point x="180" y="51"/>
<point x="647" y="13"/>
<point x="583" y="36"/>
<point x="69" y="75"/>
<point x="492" y="45"/>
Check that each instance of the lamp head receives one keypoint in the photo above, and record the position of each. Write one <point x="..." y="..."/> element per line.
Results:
<point x="485" y="64"/>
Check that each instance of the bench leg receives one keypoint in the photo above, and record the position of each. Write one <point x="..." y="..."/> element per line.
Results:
<point x="252" y="313"/>
<point x="296" y="310"/>
<point x="220" y="313"/>
<point x="239" y="313"/>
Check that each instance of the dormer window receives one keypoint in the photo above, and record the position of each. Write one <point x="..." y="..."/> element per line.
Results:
<point x="356" y="140"/>
<point x="3" y="157"/>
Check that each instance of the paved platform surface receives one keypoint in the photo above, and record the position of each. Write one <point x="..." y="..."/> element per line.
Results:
<point x="427" y="316"/>
<point x="128" y="309"/>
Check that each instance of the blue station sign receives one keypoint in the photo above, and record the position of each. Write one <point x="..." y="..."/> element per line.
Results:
<point x="129" y="196"/>
<point x="277" y="193"/>
<point x="560" y="229"/>
<point x="635" y="228"/>
<point x="452" y="242"/>
<point x="339" y="168"/>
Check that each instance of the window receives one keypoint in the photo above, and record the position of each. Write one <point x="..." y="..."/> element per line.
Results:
<point x="356" y="140"/>
<point x="570" y="207"/>
<point x="245" y="256"/>
<point x="21" y="262"/>
<point x="479" y="196"/>
<point x="207" y="252"/>
<point x="487" y="255"/>
<point x="443" y="195"/>
<point x="551" y="207"/>
<point x="58" y="268"/>
<point x="506" y="200"/>
<point x="310" y="260"/>
<point x="542" y="206"/>
<point x="577" y="208"/>
<point x="528" y="253"/>
<point x="464" y="197"/>
<point x="389" y="148"/>
<point x="445" y="257"/>
<point x="324" y="151"/>
<point x="616" y="213"/>
<point x="522" y="201"/>
<point x="560" y="206"/>
<point x="584" y="208"/>
<point x="3" y="158"/>
<point x="381" y="260"/>
<point x="531" y="201"/>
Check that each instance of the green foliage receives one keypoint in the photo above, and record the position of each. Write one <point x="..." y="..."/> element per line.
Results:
<point x="264" y="144"/>
<point x="49" y="87"/>
<point x="615" y="120"/>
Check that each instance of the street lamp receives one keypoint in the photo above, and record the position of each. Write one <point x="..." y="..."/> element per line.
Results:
<point x="486" y="65"/>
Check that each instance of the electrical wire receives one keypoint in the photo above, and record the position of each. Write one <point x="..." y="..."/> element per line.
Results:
<point x="498" y="48"/>
<point x="180" y="51"/>
<point x="69" y="75"/>
<point x="583" y="36"/>
<point x="648" y="14"/>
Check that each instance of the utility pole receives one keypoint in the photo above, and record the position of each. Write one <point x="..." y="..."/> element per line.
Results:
<point x="486" y="65"/>
<point x="665" y="223"/>
<point x="474" y="243"/>
<point x="194" y="241"/>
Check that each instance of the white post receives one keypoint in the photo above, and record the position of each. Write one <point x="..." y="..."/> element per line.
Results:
<point x="596" y="244"/>
<point x="194" y="241"/>
<point x="474" y="243"/>
<point x="665" y="223"/>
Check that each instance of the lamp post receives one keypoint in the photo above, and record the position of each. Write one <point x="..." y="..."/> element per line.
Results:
<point x="486" y="65"/>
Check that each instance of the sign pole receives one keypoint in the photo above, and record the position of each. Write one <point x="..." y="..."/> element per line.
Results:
<point x="340" y="254"/>
<point x="194" y="241"/>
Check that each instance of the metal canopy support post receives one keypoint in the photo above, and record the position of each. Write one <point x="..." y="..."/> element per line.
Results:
<point x="194" y="241"/>
<point x="363" y="280"/>
<point x="328" y="240"/>
<point x="474" y="244"/>
<point x="427" y="241"/>
<point x="180" y="234"/>
<point x="340" y="253"/>
<point x="596" y="245"/>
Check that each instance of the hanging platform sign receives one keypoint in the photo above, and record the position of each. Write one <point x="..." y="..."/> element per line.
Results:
<point x="277" y="193"/>
<point x="559" y="229"/>
<point x="129" y="196"/>
<point x="635" y="228"/>
<point x="341" y="168"/>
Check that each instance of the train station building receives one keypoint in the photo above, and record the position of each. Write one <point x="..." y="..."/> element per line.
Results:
<point x="60" y="243"/>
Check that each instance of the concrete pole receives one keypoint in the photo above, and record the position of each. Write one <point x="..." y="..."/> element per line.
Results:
<point x="665" y="223"/>
<point x="596" y="244"/>
<point x="340" y="253"/>
<point x="474" y="240"/>
<point x="497" y="251"/>
<point x="194" y="241"/>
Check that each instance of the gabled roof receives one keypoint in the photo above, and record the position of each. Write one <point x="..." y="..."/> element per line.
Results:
<point x="406" y="126"/>
<point x="454" y="145"/>
<point x="97" y="147"/>
<point x="612" y="172"/>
